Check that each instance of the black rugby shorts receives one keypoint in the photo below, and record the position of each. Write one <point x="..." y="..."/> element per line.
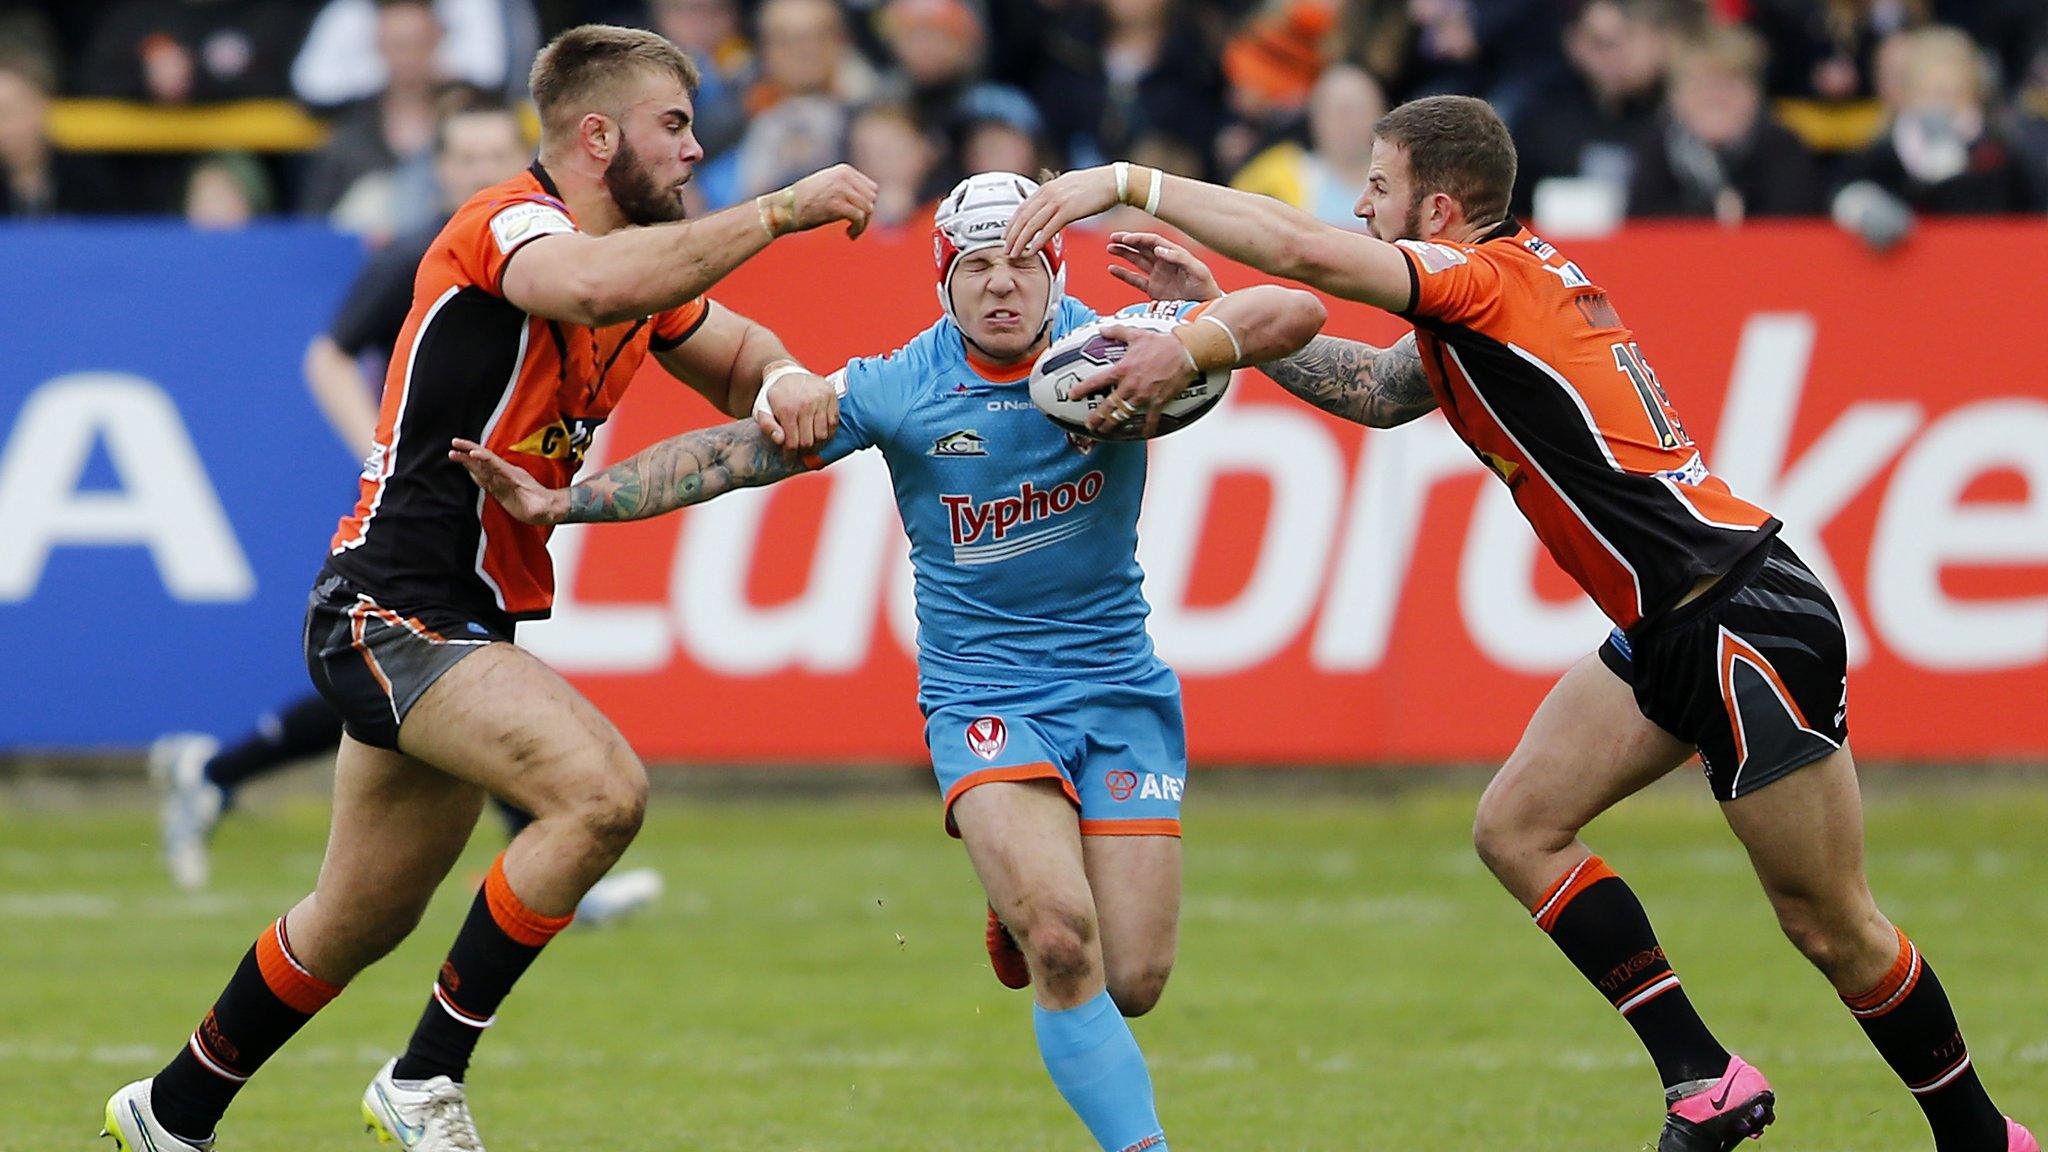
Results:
<point x="1754" y="672"/>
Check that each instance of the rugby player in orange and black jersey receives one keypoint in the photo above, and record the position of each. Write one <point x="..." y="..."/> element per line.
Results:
<point x="1725" y="644"/>
<point x="531" y="312"/>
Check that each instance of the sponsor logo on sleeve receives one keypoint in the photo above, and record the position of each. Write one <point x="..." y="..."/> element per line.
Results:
<point x="1435" y="257"/>
<point x="525" y="220"/>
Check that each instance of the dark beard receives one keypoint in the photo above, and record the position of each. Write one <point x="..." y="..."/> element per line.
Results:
<point x="1411" y="226"/>
<point x="640" y="200"/>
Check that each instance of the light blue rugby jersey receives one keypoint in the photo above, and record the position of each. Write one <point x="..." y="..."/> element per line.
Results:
<point x="1023" y="544"/>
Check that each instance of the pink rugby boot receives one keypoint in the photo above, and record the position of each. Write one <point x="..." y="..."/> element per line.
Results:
<point x="1716" y="1115"/>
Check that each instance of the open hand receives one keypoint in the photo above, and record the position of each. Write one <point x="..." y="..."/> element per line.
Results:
<point x="510" y="485"/>
<point x="1160" y="268"/>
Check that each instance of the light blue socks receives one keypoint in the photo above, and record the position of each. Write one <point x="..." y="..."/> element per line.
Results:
<point x="1095" y="1062"/>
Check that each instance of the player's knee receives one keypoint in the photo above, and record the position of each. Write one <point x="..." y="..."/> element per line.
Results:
<point x="612" y="803"/>
<point x="1499" y="833"/>
<point x="1137" y="990"/>
<point x="1060" y="943"/>
<point x="1832" y="934"/>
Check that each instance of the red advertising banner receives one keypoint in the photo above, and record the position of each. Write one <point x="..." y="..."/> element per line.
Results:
<point x="1334" y="595"/>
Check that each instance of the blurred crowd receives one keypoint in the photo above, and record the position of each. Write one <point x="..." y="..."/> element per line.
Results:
<point x="1874" y="111"/>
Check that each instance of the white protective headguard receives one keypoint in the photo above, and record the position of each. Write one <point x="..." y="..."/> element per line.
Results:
<point x="975" y="215"/>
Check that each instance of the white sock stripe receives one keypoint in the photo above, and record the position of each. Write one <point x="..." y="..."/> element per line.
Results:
<point x="1907" y="985"/>
<point x="1943" y="1080"/>
<point x="460" y="1016"/>
<point x="1664" y="984"/>
<point x="1570" y="878"/>
<point x="212" y="1065"/>
<point x="285" y="946"/>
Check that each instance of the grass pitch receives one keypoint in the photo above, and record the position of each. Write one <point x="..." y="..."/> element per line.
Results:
<point x="1350" y="978"/>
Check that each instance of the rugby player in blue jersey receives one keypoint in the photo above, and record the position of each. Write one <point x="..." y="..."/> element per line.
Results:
<point x="1054" y="729"/>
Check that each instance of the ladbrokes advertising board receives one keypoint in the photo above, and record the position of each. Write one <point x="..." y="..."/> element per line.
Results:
<point x="1330" y="594"/>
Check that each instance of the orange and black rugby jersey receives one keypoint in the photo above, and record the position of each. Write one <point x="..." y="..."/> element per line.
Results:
<point x="469" y="363"/>
<point x="1538" y="375"/>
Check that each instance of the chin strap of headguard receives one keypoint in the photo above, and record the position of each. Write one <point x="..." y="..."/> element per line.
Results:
<point x="975" y="215"/>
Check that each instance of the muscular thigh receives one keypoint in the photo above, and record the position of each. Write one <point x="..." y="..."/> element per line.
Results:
<point x="508" y="723"/>
<point x="1025" y="843"/>
<point x="398" y="827"/>
<point x="1587" y="748"/>
<point x="1136" y="881"/>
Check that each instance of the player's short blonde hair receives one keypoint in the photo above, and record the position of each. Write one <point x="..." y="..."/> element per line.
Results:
<point x="588" y="68"/>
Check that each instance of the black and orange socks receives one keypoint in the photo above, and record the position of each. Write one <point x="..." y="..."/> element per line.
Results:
<point x="1908" y="1018"/>
<point x="1596" y="921"/>
<point x="498" y="941"/>
<point x="269" y="998"/>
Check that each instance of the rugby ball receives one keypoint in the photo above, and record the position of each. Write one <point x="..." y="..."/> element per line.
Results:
<point x="1084" y="353"/>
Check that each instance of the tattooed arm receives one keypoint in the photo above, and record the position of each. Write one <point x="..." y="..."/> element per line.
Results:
<point x="679" y="471"/>
<point x="1377" y="387"/>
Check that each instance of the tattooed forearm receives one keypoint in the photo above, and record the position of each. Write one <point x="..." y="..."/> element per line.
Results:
<point x="682" y="470"/>
<point x="1379" y="387"/>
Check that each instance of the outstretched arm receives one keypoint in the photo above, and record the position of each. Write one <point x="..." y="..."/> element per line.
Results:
<point x="1253" y="229"/>
<point x="679" y="471"/>
<point x="1376" y="387"/>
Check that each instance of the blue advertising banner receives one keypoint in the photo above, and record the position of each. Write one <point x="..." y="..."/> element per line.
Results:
<point x="167" y="485"/>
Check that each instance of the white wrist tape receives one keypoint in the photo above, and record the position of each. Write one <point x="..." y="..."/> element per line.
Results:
<point x="768" y="380"/>
<point x="1122" y="168"/>
<point x="1152" y="197"/>
<point x="1236" y="349"/>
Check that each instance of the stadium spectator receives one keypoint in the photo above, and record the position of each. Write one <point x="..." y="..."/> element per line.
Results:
<point x="193" y="51"/>
<point x="710" y="32"/>
<point x="809" y="78"/>
<point x="1592" y="120"/>
<point x="1128" y="71"/>
<point x="1270" y="65"/>
<point x="226" y="191"/>
<point x="1940" y="153"/>
<point x="1000" y="131"/>
<point x="1715" y="152"/>
<point x="1377" y="36"/>
<point x="1504" y="50"/>
<point x="886" y="142"/>
<point x="1826" y="49"/>
<point x="1326" y="178"/>
<point x="935" y="52"/>
<point x="806" y="50"/>
<point x="487" y="46"/>
<point x="36" y="177"/>
<point x="380" y="158"/>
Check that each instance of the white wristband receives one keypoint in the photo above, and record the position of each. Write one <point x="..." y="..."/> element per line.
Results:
<point x="768" y="379"/>
<point x="1152" y="197"/>
<point x="1236" y="348"/>
<point x="1122" y="168"/>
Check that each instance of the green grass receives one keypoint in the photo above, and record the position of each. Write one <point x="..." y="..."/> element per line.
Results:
<point x="1349" y="978"/>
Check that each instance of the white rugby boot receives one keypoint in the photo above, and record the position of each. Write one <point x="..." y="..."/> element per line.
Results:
<point x="191" y="804"/>
<point x="132" y="1124"/>
<point x="424" y="1116"/>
